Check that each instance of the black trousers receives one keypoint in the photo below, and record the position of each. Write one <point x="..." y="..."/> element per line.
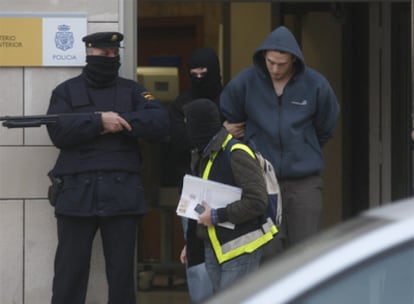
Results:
<point x="73" y="254"/>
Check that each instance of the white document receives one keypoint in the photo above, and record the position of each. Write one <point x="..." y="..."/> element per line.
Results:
<point x="217" y="195"/>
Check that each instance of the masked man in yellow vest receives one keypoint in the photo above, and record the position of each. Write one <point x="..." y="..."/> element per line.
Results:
<point x="229" y="253"/>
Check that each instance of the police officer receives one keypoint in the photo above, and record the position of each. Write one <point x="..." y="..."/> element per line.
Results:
<point x="229" y="254"/>
<point x="205" y="75"/>
<point x="99" y="164"/>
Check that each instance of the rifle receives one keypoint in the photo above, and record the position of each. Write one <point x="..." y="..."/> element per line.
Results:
<point x="28" y="121"/>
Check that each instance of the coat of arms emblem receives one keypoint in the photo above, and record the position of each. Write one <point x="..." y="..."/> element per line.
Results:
<point x="64" y="38"/>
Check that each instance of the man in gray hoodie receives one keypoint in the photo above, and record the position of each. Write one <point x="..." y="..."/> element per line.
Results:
<point x="287" y="111"/>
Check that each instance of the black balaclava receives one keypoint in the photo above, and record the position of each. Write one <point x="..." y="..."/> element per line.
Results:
<point x="210" y="85"/>
<point x="203" y="121"/>
<point x="101" y="71"/>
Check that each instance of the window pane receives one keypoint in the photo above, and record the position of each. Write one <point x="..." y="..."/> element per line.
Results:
<point x="386" y="278"/>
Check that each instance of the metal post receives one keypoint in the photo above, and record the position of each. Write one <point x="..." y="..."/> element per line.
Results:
<point x="412" y="93"/>
<point x="412" y="58"/>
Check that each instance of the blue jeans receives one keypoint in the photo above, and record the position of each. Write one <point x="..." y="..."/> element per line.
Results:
<point x="223" y="275"/>
<point x="198" y="282"/>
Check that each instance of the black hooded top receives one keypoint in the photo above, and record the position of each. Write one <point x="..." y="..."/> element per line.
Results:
<point x="289" y="130"/>
<point x="179" y="153"/>
<point x="207" y="87"/>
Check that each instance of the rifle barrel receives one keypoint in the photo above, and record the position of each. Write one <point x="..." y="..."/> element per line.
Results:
<point x="35" y="120"/>
<point x="28" y="121"/>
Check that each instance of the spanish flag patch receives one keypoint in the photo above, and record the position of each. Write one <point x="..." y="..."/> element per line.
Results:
<point x="147" y="95"/>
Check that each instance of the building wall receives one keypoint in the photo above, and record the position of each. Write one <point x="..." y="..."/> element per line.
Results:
<point x="27" y="222"/>
<point x="209" y="11"/>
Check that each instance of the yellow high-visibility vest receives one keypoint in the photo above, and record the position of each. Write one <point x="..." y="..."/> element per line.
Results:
<point x="247" y="242"/>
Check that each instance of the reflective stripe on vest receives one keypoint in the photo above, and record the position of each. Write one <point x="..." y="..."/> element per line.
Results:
<point x="248" y="242"/>
<point x="270" y="225"/>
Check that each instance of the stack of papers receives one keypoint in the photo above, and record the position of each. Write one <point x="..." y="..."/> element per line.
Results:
<point x="215" y="194"/>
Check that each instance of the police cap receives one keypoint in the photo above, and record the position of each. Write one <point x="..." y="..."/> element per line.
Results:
<point x="103" y="40"/>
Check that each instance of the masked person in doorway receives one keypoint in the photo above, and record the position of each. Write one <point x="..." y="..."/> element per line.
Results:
<point x="204" y="72"/>
<point x="99" y="166"/>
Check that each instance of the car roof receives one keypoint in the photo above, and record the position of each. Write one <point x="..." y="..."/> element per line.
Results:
<point x="316" y="259"/>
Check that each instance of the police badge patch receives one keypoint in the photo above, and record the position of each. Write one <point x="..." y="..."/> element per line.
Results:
<point x="64" y="39"/>
<point x="147" y="95"/>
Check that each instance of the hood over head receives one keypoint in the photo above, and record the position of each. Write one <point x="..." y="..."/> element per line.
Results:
<point x="281" y="39"/>
<point x="203" y="121"/>
<point x="210" y="85"/>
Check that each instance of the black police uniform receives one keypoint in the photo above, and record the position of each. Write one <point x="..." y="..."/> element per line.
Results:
<point x="102" y="186"/>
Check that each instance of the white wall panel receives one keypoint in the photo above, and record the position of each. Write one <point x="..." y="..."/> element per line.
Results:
<point x="40" y="245"/>
<point x="11" y="102"/>
<point x="98" y="10"/>
<point x="23" y="171"/>
<point x="11" y="252"/>
<point x="38" y="86"/>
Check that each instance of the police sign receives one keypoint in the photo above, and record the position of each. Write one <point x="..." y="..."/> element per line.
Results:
<point x="42" y="40"/>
